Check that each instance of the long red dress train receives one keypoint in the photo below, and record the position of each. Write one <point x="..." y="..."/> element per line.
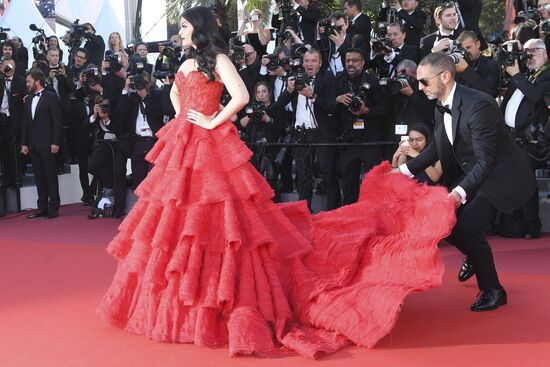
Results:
<point x="206" y="257"/>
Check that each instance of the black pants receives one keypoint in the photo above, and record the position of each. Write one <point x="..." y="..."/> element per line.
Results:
<point x="80" y="140"/>
<point x="351" y="159"/>
<point x="140" y="167"/>
<point x="468" y="236"/>
<point x="327" y="158"/>
<point x="531" y="208"/>
<point x="45" y="174"/>
<point x="101" y="166"/>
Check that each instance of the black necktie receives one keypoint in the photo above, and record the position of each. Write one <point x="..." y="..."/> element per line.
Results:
<point x="443" y="109"/>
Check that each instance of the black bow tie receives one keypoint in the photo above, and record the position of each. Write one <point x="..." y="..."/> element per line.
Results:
<point x="8" y="80"/>
<point x="397" y="49"/>
<point x="36" y="94"/>
<point x="443" y="109"/>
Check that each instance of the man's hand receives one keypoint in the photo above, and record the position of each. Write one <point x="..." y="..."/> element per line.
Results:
<point x="24" y="149"/>
<point x="54" y="148"/>
<point x="337" y="38"/>
<point x="462" y="65"/>
<point x="344" y="99"/>
<point x="407" y="91"/>
<point x="62" y="71"/>
<point x="290" y="86"/>
<point x="307" y="92"/>
<point x="514" y="69"/>
<point x="442" y="44"/>
<point x="455" y="197"/>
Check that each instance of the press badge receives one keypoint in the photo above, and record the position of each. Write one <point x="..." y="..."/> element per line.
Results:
<point x="358" y="124"/>
<point x="400" y="129"/>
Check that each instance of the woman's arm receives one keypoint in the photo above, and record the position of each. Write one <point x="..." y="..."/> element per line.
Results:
<point x="175" y="98"/>
<point x="264" y="35"/>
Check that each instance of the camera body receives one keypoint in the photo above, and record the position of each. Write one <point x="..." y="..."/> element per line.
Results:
<point x="166" y="70"/>
<point x="508" y="53"/>
<point x="329" y="27"/>
<point x="255" y="110"/>
<point x="5" y="71"/>
<point x="359" y="97"/>
<point x="138" y="82"/>
<point x="393" y="86"/>
<point x="115" y="62"/>
<point x="93" y="75"/>
<point x="382" y="45"/>
<point x="236" y="50"/>
<point x="274" y="62"/>
<point x="456" y="53"/>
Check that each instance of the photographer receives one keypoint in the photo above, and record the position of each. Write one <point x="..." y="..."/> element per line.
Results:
<point x="258" y="36"/>
<point x="173" y="55"/>
<point x="359" y="23"/>
<point x="409" y="15"/>
<point x="264" y="122"/>
<point x="12" y="91"/>
<point x="443" y="39"/>
<point x="8" y="52"/>
<point x="114" y="71"/>
<point x="22" y="54"/>
<point x="363" y="111"/>
<point x="109" y="174"/>
<point x="94" y="44"/>
<point x="309" y="15"/>
<point x="524" y="107"/>
<point x="138" y="61"/>
<point x="475" y="70"/>
<point x="335" y="41"/>
<point x="312" y="95"/>
<point x="142" y="112"/>
<point x="250" y="67"/>
<point x="387" y="56"/>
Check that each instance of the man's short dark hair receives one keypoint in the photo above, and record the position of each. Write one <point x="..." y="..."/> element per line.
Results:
<point x="338" y="16"/>
<point x="467" y="34"/>
<point x="402" y="27"/>
<point x="440" y="62"/>
<point x="37" y="74"/>
<point x="357" y="51"/>
<point x="91" y="26"/>
<point x="355" y="3"/>
<point x="83" y="50"/>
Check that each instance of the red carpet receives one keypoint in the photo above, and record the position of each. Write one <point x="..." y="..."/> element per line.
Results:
<point x="54" y="272"/>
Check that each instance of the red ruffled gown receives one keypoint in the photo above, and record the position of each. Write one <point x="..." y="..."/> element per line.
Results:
<point x="206" y="257"/>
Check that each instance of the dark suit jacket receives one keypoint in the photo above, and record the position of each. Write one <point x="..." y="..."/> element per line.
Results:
<point x="427" y="43"/>
<point x="324" y="106"/>
<point x="484" y="77"/>
<point x="483" y="160"/>
<point x="128" y="106"/>
<point x="308" y="23"/>
<point x="363" y="27"/>
<point x="45" y="129"/>
<point x="532" y="107"/>
<point x="328" y="48"/>
<point x="65" y="88"/>
<point x="96" y="48"/>
<point x="407" y="52"/>
<point x="414" y="23"/>
<point x="15" y="100"/>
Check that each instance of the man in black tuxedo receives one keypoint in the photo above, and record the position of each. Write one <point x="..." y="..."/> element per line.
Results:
<point x="12" y="91"/>
<point x="441" y="40"/>
<point x="475" y="70"/>
<point x="410" y="15"/>
<point x="9" y="52"/>
<point x="359" y="23"/>
<point x="309" y="16"/>
<point x="142" y="112"/>
<point x="334" y="47"/>
<point x="523" y="106"/>
<point x="483" y="168"/>
<point x="314" y="106"/>
<point x="94" y="44"/>
<point x="386" y="61"/>
<point x="364" y="123"/>
<point x="40" y="139"/>
<point x="250" y="67"/>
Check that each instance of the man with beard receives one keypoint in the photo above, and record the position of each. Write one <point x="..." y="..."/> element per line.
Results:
<point x="40" y="139"/>
<point x="443" y="39"/>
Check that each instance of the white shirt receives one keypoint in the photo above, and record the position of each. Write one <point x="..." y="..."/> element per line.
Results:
<point x="305" y="116"/>
<point x="142" y="127"/>
<point x="103" y="125"/>
<point x="448" y="124"/>
<point x="512" y="108"/>
<point x="355" y="18"/>
<point x="5" y="108"/>
<point x="34" y="102"/>
<point x="335" y="62"/>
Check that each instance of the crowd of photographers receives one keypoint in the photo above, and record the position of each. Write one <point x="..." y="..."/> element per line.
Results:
<point x="335" y="97"/>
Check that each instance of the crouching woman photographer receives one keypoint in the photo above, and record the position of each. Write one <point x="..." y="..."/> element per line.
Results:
<point x="418" y="138"/>
<point x="264" y="122"/>
<point x="111" y="173"/>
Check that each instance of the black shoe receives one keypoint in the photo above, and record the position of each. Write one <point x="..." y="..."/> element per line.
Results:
<point x="532" y="235"/>
<point x="53" y="214"/>
<point x="490" y="300"/>
<point x="37" y="214"/>
<point x="466" y="271"/>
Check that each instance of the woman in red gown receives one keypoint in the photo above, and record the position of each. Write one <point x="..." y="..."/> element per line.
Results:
<point x="206" y="257"/>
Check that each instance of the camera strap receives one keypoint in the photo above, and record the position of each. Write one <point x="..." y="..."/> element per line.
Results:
<point x="533" y="77"/>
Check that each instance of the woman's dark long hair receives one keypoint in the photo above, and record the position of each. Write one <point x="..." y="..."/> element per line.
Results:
<point x="206" y="37"/>
<point x="422" y="129"/>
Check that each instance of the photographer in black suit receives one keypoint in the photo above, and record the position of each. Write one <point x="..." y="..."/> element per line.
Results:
<point x="94" y="44"/>
<point x="9" y="52"/>
<point x="475" y="70"/>
<point x="386" y="59"/>
<point x="359" y="23"/>
<point x="12" y="91"/>
<point x="309" y="15"/>
<point x="142" y="111"/>
<point x="363" y="111"/>
<point x="483" y="168"/>
<point x="313" y="102"/>
<point x="524" y="107"/>
<point x="409" y="14"/>
<point x="443" y="39"/>
<point x="40" y="139"/>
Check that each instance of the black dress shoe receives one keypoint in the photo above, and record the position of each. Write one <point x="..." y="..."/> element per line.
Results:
<point x="532" y="235"/>
<point x="466" y="271"/>
<point x="490" y="300"/>
<point x="37" y="214"/>
<point x="52" y="215"/>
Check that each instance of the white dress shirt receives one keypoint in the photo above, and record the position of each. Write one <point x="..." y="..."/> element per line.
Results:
<point x="512" y="108"/>
<point x="5" y="108"/>
<point x="35" y="100"/>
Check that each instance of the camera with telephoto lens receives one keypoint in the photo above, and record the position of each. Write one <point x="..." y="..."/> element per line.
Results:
<point x="114" y="60"/>
<point x="358" y="98"/>
<point x="138" y="82"/>
<point x="393" y="86"/>
<point x="166" y="70"/>
<point x="497" y="38"/>
<point x="297" y="50"/>
<point x="457" y="53"/>
<point x="255" y="110"/>
<point x="382" y="45"/>
<point x="77" y="32"/>
<point x="275" y="63"/>
<point x="236" y="50"/>
<point x="5" y="71"/>
<point x="290" y="19"/>
<point x="509" y="52"/>
<point x="92" y="75"/>
<point x="105" y="107"/>
<point x="329" y="26"/>
<point x="297" y="71"/>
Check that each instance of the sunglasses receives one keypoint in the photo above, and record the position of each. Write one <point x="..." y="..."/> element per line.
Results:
<point x="426" y="81"/>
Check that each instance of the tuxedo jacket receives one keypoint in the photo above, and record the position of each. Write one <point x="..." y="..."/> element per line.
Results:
<point x="15" y="101"/>
<point x="414" y="23"/>
<point x="45" y="128"/>
<point x="328" y="48"/>
<point x="532" y="107"/>
<point x="427" y="43"/>
<point x="482" y="75"/>
<point x="324" y="106"/>
<point x="128" y="107"/>
<point x="363" y="27"/>
<point x="407" y="52"/>
<point x="483" y="159"/>
<point x="308" y="23"/>
<point x="64" y="90"/>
